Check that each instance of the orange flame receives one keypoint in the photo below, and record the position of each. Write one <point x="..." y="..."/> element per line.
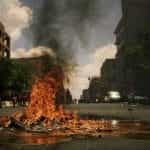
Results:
<point x="43" y="114"/>
<point x="43" y="98"/>
<point x="43" y="110"/>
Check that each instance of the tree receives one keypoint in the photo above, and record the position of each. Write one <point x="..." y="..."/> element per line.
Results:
<point x="68" y="97"/>
<point x="15" y="77"/>
<point x="22" y="77"/>
<point x="5" y="75"/>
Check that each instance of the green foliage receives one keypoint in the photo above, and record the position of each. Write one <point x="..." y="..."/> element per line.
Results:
<point x="5" y="74"/>
<point x="14" y="76"/>
<point x="22" y="77"/>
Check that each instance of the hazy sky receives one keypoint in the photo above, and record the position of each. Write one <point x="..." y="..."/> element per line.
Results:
<point x="82" y="29"/>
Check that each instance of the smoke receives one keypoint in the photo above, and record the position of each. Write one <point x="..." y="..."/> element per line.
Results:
<point x="74" y="27"/>
<point x="74" y="30"/>
<point x="15" y="18"/>
<point x="33" y="52"/>
<point x="91" y="69"/>
<point x="79" y="31"/>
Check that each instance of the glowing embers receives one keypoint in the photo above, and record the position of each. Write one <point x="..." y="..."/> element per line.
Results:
<point x="43" y="99"/>
<point x="43" y="115"/>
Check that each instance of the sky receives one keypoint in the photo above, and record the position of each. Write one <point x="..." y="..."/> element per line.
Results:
<point x="83" y="31"/>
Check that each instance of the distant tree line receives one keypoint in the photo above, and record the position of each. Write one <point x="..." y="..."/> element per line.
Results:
<point x="18" y="76"/>
<point x="15" y="77"/>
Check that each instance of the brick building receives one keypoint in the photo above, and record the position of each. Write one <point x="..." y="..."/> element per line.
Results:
<point x="134" y="21"/>
<point x="4" y="42"/>
<point x="115" y="74"/>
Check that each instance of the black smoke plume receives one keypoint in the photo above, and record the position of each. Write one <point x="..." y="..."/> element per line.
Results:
<point x="73" y="26"/>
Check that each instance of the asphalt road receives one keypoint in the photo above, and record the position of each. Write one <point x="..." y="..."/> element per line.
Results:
<point x="122" y="111"/>
<point x="86" y="144"/>
<point x="116" y="111"/>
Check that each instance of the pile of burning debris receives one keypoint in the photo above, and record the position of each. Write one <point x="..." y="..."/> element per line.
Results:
<point x="68" y="127"/>
<point x="42" y="114"/>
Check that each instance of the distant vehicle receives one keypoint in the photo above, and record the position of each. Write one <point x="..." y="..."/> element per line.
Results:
<point x="112" y="96"/>
<point x="139" y="99"/>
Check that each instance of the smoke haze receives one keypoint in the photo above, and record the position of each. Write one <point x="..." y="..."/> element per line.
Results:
<point x="15" y="18"/>
<point x="72" y="27"/>
<point x="75" y="30"/>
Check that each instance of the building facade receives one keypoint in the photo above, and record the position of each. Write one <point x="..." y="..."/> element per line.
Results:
<point x="134" y="22"/>
<point x="115" y="74"/>
<point x="4" y="42"/>
<point x="135" y="19"/>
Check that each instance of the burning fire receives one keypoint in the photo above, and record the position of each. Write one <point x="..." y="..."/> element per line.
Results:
<point x="43" y="99"/>
<point x="43" y="112"/>
<point x="44" y="115"/>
